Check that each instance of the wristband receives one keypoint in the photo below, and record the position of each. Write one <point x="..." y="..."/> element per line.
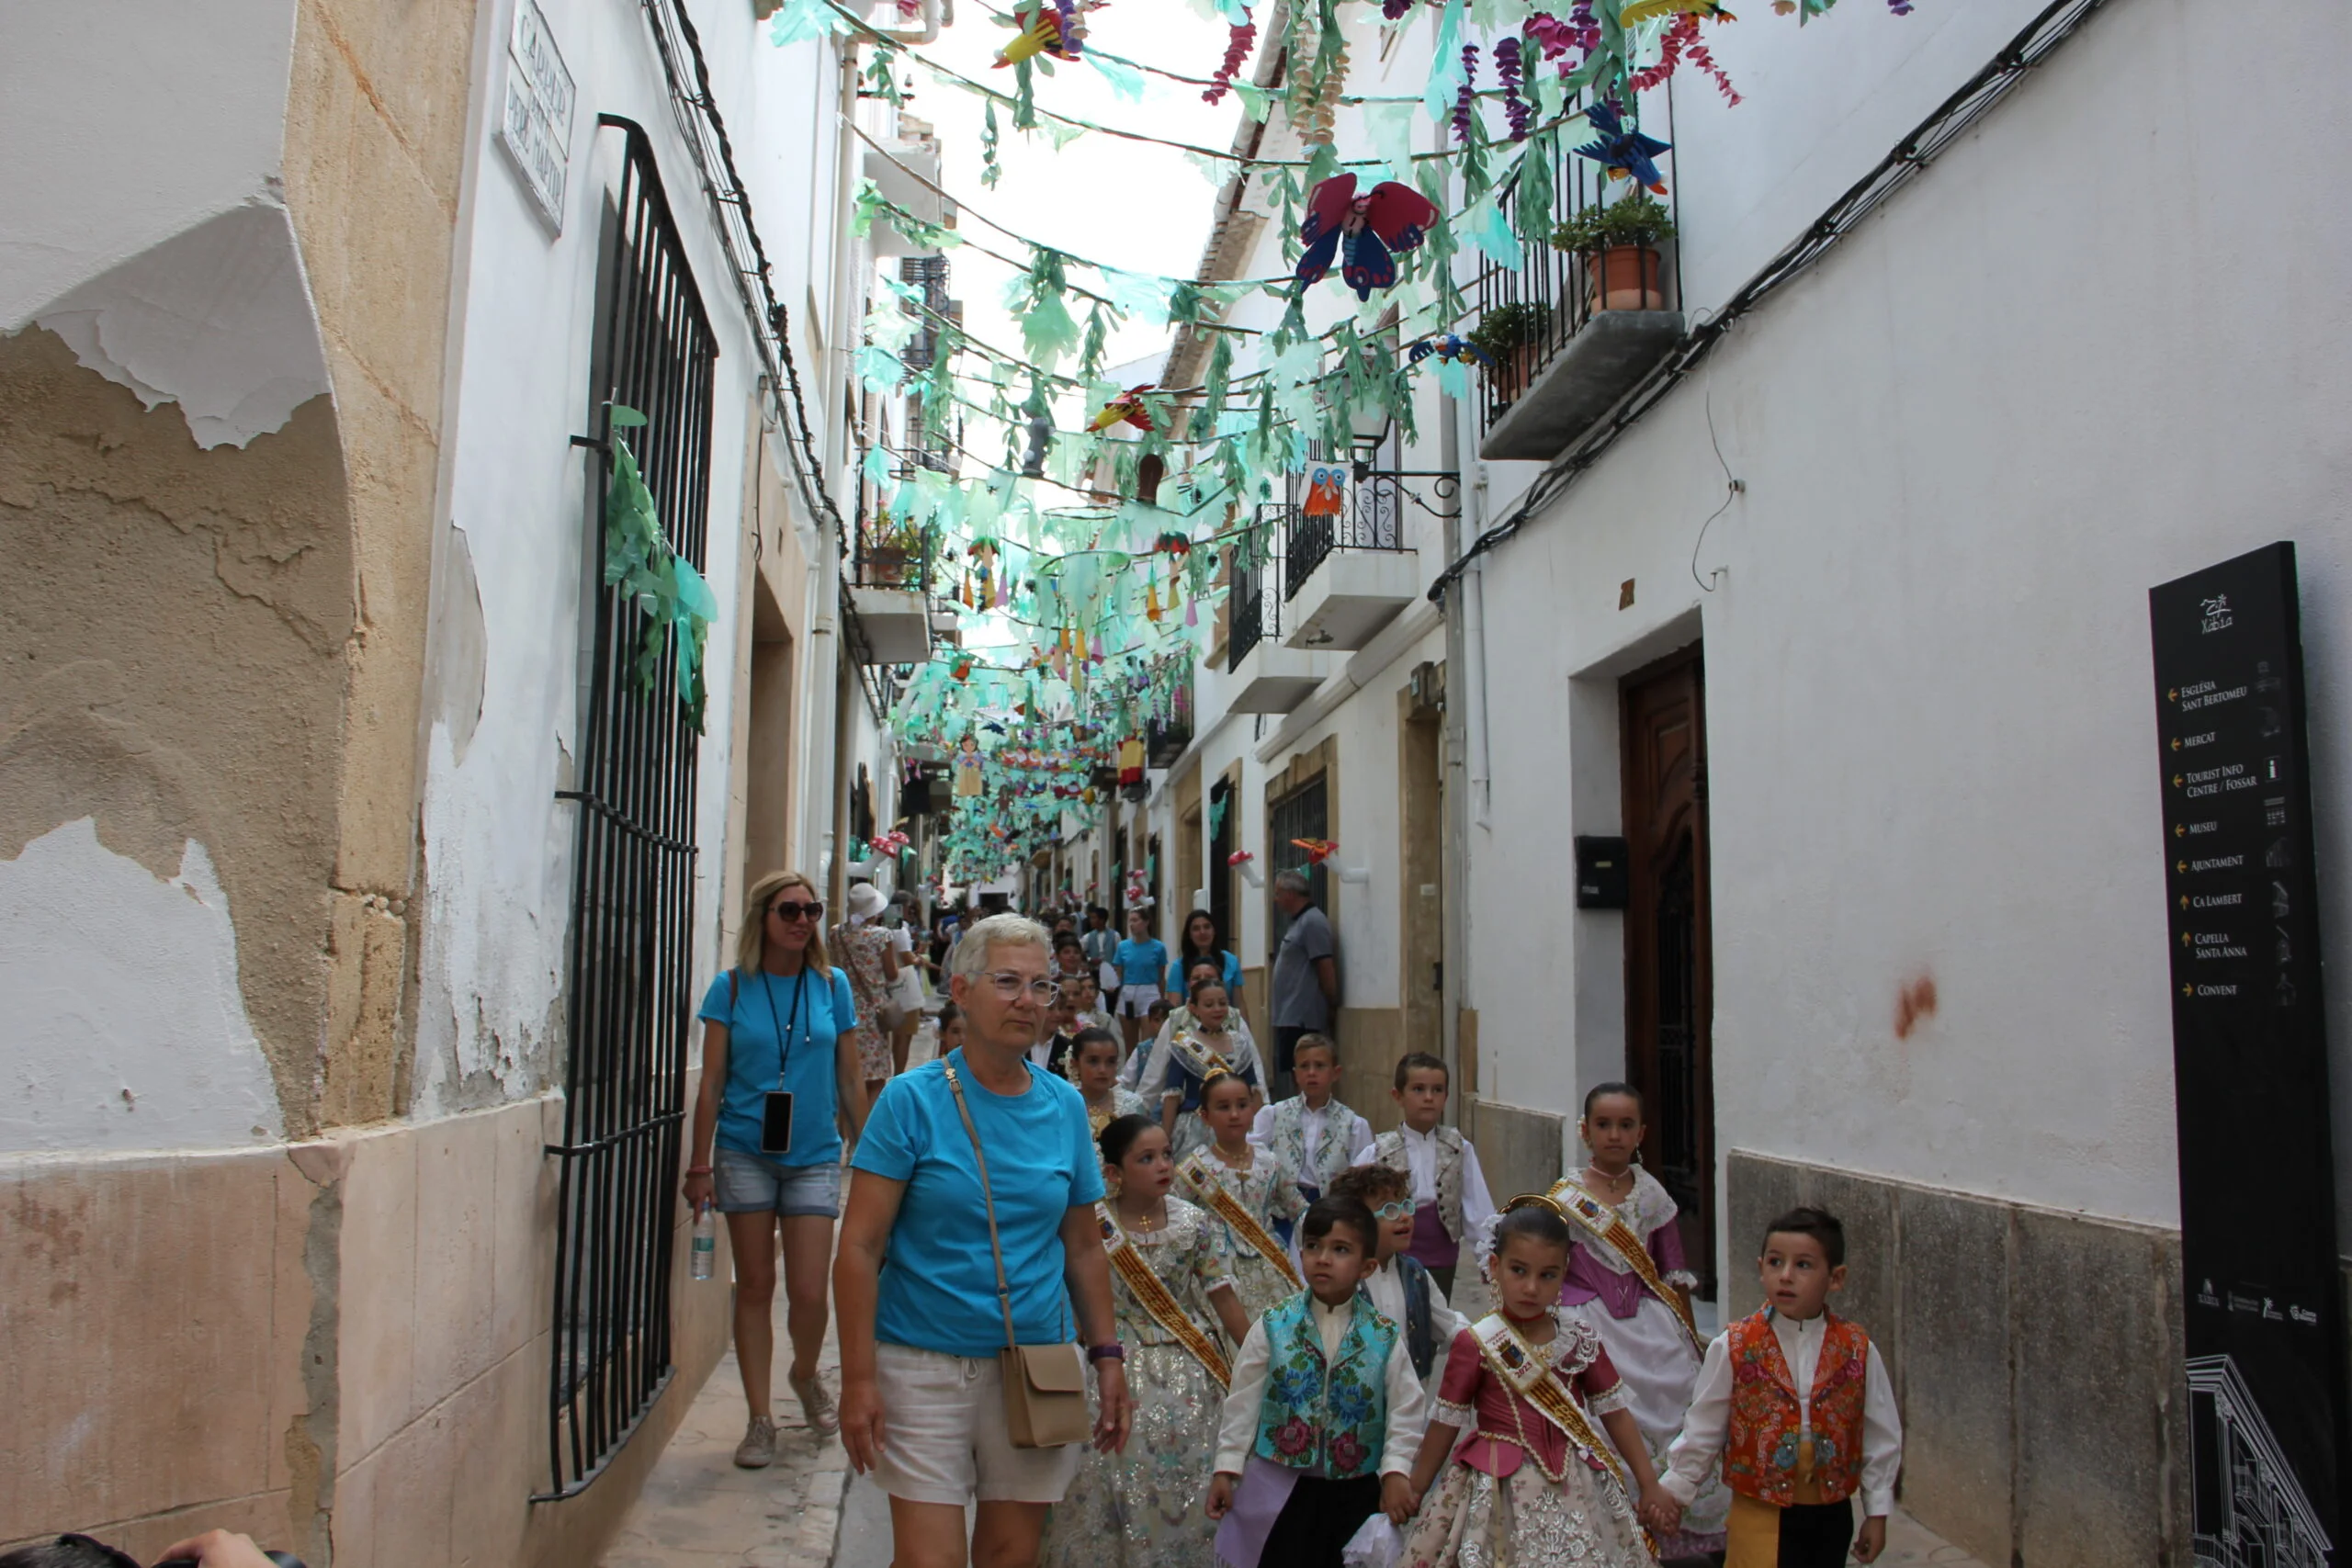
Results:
<point x="697" y="1170"/>
<point x="1114" y="1351"/>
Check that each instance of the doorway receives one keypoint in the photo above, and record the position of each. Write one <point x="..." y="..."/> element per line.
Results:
<point x="1222" y="831"/>
<point x="1421" y="810"/>
<point x="1669" y="988"/>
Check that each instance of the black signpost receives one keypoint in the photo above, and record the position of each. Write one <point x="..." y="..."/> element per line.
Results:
<point x="2265" y="1325"/>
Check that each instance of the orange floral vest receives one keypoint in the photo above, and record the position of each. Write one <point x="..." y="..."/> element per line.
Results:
<point x="1760" y="1453"/>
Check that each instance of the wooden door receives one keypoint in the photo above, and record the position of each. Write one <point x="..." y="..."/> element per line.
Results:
<point x="1669" y="993"/>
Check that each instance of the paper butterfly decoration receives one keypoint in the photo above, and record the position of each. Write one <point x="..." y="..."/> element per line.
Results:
<point x="1373" y="229"/>
<point x="1452" y="346"/>
<point x="1622" y="152"/>
<point x="1128" y="407"/>
<point x="1317" y="849"/>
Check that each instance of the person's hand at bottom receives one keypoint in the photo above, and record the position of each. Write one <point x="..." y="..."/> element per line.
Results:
<point x="1396" y="1499"/>
<point x="861" y="1419"/>
<point x="1220" y="1495"/>
<point x="218" y="1549"/>
<point x="1871" y="1540"/>
<point x="1661" y="1511"/>
<point x="1114" y="1410"/>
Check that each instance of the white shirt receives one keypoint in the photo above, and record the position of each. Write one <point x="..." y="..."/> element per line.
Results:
<point x="1386" y="1288"/>
<point x="1420" y="1159"/>
<point x="1708" y="1421"/>
<point x="1408" y="1405"/>
<point x="1312" y="1124"/>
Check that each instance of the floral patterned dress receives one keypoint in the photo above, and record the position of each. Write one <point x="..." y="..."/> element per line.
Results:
<point x="1269" y="1191"/>
<point x="858" y="950"/>
<point x="1517" y="1495"/>
<point x="1141" y="1508"/>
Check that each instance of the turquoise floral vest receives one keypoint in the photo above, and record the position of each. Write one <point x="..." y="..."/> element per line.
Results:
<point x="1333" y="1418"/>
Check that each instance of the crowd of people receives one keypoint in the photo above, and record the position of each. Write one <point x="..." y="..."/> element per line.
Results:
<point x="1138" y="1294"/>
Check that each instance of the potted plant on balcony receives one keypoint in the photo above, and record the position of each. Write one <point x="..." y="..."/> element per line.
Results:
<point x="1619" y="243"/>
<point x="1506" y="334"/>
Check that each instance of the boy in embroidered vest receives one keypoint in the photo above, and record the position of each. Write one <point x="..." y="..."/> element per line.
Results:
<point x="1324" y="1418"/>
<point x="1399" y="1286"/>
<point x="1320" y="1136"/>
<point x="1450" y="1195"/>
<point x="1801" y="1412"/>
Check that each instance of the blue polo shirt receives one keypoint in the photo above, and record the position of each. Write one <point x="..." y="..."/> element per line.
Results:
<point x="760" y="1012"/>
<point x="939" y="1287"/>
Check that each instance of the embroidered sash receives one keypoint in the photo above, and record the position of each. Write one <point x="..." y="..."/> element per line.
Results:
<point x="1215" y="1197"/>
<point x="1609" y="1227"/>
<point x="1198" y="1059"/>
<point x="1151" y="1293"/>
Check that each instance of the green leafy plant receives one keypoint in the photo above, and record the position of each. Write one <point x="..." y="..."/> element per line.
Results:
<point x="1633" y="220"/>
<point x="1501" y="330"/>
<point x="663" y="585"/>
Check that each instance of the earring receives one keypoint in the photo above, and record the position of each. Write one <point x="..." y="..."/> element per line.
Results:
<point x="1112" y="1186"/>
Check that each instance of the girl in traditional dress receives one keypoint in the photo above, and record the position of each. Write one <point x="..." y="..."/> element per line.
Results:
<point x="1140" y="1508"/>
<point x="1535" y="1483"/>
<point x="1202" y="1045"/>
<point x="1251" y="1188"/>
<point x="1097" y="1070"/>
<point x="1626" y="1280"/>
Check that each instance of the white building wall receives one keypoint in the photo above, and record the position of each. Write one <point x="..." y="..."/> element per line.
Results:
<point x="2087" y="352"/>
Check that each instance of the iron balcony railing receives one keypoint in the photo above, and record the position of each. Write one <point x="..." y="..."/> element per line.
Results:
<point x="1369" y="515"/>
<point x="1551" y="283"/>
<point x="1257" y="609"/>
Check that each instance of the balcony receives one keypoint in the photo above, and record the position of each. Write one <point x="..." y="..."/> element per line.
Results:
<point x="1268" y="677"/>
<point x="1168" y="727"/>
<point x="889" y="578"/>
<point x="1347" y="572"/>
<point x="1582" y="353"/>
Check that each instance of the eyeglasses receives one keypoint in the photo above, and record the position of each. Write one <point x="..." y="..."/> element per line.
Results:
<point x="1396" y="1211"/>
<point x="1009" y="986"/>
<point x="790" y="911"/>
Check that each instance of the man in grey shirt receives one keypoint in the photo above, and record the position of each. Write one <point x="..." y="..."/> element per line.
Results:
<point x="1307" y="975"/>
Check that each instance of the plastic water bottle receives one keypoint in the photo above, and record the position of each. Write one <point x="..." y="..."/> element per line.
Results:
<point x="705" y="1251"/>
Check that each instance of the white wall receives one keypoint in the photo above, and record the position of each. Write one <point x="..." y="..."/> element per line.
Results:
<point x="499" y="846"/>
<point x="2091" y="350"/>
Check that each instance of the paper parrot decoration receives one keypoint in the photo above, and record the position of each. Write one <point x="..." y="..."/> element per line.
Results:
<point x="1649" y="10"/>
<point x="1317" y="849"/>
<point x="1049" y="28"/>
<point x="1127" y="407"/>
<point x="1622" y="152"/>
<point x="1452" y="346"/>
<point x="1373" y="227"/>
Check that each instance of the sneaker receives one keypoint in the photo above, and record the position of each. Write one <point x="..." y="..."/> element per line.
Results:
<point x="757" y="1450"/>
<point x="816" y="1404"/>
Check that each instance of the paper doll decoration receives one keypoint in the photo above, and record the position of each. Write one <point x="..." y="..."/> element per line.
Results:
<point x="1131" y="759"/>
<point x="968" y="784"/>
<point x="1622" y="152"/>
<point x="1326" y="485"/>
<point x="1452" y="347"/>
<point x="1373" y="229"/>
<point x="1127" y="408"/>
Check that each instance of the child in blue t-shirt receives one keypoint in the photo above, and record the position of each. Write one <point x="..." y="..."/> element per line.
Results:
<point x="1142" y="959"/>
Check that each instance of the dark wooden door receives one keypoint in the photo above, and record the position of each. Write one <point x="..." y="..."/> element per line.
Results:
<point x="1669" y="992"/>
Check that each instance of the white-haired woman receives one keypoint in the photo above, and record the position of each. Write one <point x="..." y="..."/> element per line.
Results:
<point x="922" y="1400"/>
<point x="780" y="1079"/>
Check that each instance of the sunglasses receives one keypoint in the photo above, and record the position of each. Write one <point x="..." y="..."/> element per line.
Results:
<point x="792" y="910"/>
<point x="1396" y="1211"/>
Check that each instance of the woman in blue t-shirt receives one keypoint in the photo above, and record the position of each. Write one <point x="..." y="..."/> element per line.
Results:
<point x="1201" y="944"/>
<point x="780" y="1076"/>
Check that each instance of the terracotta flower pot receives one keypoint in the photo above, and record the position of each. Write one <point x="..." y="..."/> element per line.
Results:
<point x="1623" y="277"/>
<point x="1513" y="371"/>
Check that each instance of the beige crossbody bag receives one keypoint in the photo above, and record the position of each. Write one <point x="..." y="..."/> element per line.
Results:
<point x="1045" y="1385"/>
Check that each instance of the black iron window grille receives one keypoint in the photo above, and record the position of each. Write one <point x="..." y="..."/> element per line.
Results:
<point x="1303" y="813"/>
<point x="1257" y="609"/>
<point x="629" y="1000"/>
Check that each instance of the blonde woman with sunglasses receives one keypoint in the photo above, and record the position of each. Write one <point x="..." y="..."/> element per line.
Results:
<point x="781" y="1081"/>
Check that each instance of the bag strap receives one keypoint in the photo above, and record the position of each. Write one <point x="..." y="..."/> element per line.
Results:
<point x="996" y="1251"/>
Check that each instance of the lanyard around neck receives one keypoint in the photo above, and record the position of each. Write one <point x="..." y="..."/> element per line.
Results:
<point x="784" y="1040"/>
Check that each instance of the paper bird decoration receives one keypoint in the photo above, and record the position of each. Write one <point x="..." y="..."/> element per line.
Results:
<point x="1622" y="152"/>
<point x="1452" y="346"/>
<point x="1649" y="10"/>
<point x="1373" y="227"/>
<point x="1049" y="29"/>
<point x="1127" y="407"/>
<point x="1317" y="849"/>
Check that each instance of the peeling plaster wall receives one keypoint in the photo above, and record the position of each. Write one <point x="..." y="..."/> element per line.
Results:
<point x="173" y="675"/>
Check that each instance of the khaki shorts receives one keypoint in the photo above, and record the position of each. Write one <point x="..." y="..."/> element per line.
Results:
<point x="944" y="1436"/>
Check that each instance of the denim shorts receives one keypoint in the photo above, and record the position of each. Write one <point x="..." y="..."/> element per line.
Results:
<point x="751" y="1184"/>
